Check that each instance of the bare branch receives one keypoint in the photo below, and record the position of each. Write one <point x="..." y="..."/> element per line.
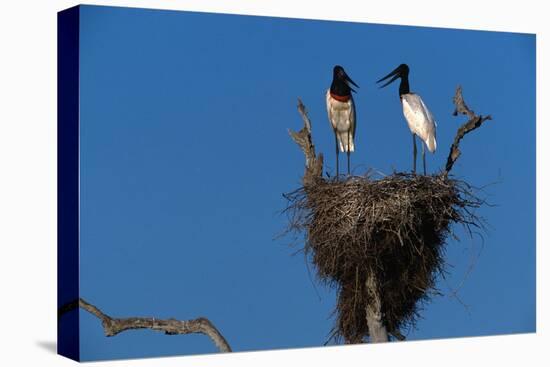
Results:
<point x="114" y="326"/>
<point x="474" y="121"/>
<point x="314" y="162"/>
<point x="460" y="104"/>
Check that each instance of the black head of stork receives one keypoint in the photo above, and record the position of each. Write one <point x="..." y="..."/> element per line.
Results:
<point x="341" y="82"/>
<point x="402" y="71"/>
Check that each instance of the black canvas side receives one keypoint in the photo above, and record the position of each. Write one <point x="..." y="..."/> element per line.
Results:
<point x="68" y="24"/>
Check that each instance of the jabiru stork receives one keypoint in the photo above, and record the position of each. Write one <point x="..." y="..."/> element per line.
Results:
<point x="419" y="118"/>
<point x="341" y="112"/>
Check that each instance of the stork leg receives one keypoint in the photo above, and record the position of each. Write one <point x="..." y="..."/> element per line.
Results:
<point x="348" y="152"/>
<point x="414" y="153"/>
<point x="424" y="158"/>
<point x="337" y="152"/>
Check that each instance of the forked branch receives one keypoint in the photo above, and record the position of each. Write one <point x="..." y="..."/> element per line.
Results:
<point x="474" y="121"/>
<point x="113" y="326"/>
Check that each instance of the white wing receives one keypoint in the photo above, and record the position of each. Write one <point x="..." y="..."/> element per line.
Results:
<point x="420" y="120"/>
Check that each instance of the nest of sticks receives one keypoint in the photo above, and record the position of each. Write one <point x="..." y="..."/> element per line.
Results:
<point x="389" y="232"/>
<point x="391" y="229"/>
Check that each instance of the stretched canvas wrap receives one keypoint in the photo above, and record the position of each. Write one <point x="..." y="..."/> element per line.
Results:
<point x="233" y="183"/>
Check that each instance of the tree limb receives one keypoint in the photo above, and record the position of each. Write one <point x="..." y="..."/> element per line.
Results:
<point x="474" y="121"/>
<point x="314" y="162"/>
<point x="377" y="330"/>
<point x="114" y="326"/>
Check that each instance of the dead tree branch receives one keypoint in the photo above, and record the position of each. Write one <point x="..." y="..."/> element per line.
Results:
<point x="474" y="121"/>
<point x="114" y="326"/>
<point x="314" y="162"/>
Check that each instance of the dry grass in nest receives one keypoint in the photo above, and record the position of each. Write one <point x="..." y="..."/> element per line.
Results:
<point x="395" y="227"/>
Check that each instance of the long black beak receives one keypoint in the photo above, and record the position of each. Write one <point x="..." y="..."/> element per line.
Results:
<point x="351" y="81"/>
<point x="396" y="74"/>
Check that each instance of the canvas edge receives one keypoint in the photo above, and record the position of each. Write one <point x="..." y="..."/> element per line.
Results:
<point x="68" y="35"/>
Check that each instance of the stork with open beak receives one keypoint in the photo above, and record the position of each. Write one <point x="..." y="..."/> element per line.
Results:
<point x="341" y="112"/>
<point x="420" y="120"/>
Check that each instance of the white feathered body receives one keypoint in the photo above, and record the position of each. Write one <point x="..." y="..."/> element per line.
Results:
<point x="420" y="120"/>
<point x="342" y="119"/>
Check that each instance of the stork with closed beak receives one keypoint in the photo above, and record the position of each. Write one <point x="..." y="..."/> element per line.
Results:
<point x="341" y="112"/>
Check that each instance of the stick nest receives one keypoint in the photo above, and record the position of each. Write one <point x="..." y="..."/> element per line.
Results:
<point x="393" y="228"/>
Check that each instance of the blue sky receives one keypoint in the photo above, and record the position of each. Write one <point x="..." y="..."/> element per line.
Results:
<point x="185" y="155"/>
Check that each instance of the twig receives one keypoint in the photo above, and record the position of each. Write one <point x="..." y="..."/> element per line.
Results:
<point x="114" y="326"/>
<point x="397" y="335"/>
<point x="474" y="121"/>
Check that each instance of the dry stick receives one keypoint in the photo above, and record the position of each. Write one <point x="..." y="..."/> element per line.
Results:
<point x="314" y="162"/>
<point x="474" y="121"/>
<point x="114" y="326"/>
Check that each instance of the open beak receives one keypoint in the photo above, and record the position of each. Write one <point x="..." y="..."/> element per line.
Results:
<point x="395" y="74"/>
<point x="348" y="79"/>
